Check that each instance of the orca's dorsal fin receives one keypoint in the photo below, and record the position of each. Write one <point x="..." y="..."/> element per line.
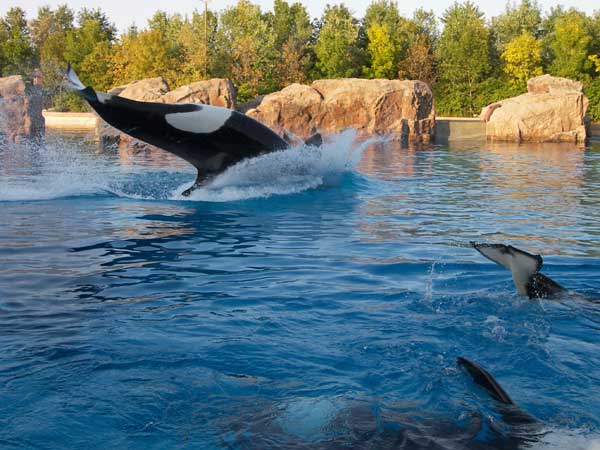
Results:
<point x="521" y="264"/>
<point x="511" y="412"/>
<point x="482" y="378"/>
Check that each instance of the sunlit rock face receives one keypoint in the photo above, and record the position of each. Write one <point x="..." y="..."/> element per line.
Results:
<point x="216" y="91"/>
<point x="20" y="109"/>
<point x="404" y="109"/>
<point x="553" y="110"/>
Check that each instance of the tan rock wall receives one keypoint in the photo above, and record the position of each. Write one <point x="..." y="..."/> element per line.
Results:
<point x="553" y="110"/>
<point x="20" y="109"/>
<point x="403" y="108"/>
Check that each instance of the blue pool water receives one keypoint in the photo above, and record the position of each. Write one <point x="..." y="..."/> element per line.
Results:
<point x="262" y="311"/>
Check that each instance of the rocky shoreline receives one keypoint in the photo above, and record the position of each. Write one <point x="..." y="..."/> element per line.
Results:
<point x="553" y="110"/>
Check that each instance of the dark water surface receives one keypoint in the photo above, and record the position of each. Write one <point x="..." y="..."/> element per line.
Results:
<point x="290" y="295"/>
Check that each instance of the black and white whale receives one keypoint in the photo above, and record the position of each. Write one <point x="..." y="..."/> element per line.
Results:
<point x="362" y="425"/>
<point x="209" y="137"/>
<point x="525" y="269"/>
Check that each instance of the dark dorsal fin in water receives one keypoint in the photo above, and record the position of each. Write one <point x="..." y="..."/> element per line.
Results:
<point x="524" y="267"/>
<point x="511" y="412"/>
<point x="209" y="137"/>
<point x="482" y="378"/>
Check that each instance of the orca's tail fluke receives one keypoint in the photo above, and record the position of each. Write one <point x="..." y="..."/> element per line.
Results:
<point x="522" y="265"/>
<point x="511" y="413"/>
<point x="72" y="80"/>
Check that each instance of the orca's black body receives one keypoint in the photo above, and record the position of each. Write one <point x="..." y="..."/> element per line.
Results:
<point x="208" y="137"/>
<point x="365" y="427"/>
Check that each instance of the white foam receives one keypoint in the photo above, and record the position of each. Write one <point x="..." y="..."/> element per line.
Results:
<point x="63" y="169"/>
<point x="43" y="173"/>
<point x="559" y="439"/>
<point x="289" y="171"/>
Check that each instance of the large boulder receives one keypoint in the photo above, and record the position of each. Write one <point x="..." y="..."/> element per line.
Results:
<point x="217" y="92"/>
<point x="20" y="109"/>
<point x="402" y="108"/>
<point x="553" y="110"/>
<point x="146" y="90"/>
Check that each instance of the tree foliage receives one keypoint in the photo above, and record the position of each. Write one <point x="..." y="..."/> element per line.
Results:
<point x="463" y="52"/>
<point x="569" y="43"/>
<point x="337" y="47"/>
<point x="515" y="21"/>
<point x="523" y="58"/>
<point x="469" y="61"/>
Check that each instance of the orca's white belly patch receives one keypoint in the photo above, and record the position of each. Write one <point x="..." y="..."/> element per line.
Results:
<point x="205" y="120"/>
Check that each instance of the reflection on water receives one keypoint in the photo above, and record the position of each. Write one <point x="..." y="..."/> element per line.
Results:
<point x="538" y="194"/>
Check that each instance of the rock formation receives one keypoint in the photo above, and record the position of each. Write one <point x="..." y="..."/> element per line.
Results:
<point x="553" y="110"/>
<point x="20" y="109"/>
<point x="146" y="90"/>
<point x="404" y="109"/>
<point x="217" y="91"/>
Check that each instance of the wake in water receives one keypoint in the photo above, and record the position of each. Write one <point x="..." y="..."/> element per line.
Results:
<point x="62" y="169"/>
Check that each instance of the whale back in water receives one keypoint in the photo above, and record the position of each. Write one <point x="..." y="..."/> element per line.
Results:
<point x="209" y="137"/>
<point x="327" y="424"/>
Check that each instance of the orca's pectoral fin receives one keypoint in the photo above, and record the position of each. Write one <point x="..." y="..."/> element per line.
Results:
<point x="315" y="140"/>
<point x="511" y="413"/>
<point x="202" y="179"/>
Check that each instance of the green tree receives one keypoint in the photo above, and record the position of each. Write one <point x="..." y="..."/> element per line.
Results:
<point x="427" y="26"/>
<point x="570" y="44"/>
<point x="382" y="51"/>
<point x="143" y="55"/>
<point x="389" y="35"/>
<point x="420" y="62"/>
<point x="16" y="48"/>
<point x="197" y="40"/>
<point x="80" y="42"/>
<point x="337" y="48"/>
<point x="463" y="55"/>
<point x="246" y="49"/>
<point x="523" y="58"/>
<point x="49" y="22"/>
<point x="516" y="20"/>
<point x="48" y="32"/>
<point x="293" y="32"/>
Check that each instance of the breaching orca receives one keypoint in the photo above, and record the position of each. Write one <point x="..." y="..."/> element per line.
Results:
<point x="210" y="138"/>
<point x="525" y="269"/>
<point x="363" y="425"/>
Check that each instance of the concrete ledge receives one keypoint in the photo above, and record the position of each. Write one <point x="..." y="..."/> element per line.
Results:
<point x="595" y="131"/>
<point x="458" y="128"/>
<point x="70" y="120"/>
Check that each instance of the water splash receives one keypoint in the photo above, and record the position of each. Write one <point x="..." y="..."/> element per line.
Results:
<point x="62" y="168"/>
<point x="289" y="171"/>
<point x="42" y="172"/>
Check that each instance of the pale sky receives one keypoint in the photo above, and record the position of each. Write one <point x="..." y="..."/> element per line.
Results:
<point x="125" y="13"/>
